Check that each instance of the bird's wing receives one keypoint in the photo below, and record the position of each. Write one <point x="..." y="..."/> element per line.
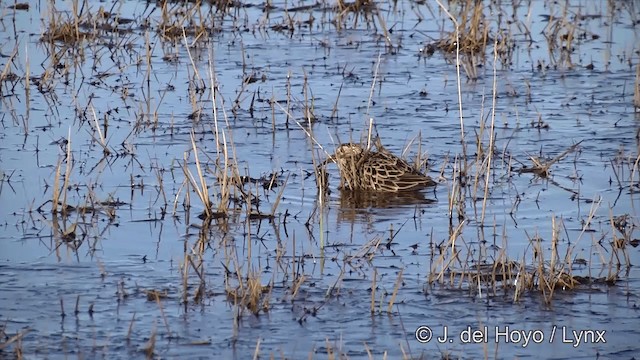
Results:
<point x="389" y="173"/>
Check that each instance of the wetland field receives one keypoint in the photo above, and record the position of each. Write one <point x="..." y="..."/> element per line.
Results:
<point x="164" y="191"/>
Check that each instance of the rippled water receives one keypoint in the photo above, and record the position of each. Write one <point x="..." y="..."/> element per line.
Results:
<point x="542" y="107"/>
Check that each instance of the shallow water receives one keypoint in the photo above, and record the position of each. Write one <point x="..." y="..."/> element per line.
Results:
<point x="539" y="111"/>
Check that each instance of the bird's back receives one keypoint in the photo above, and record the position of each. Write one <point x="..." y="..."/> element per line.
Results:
<point x="383" y="171"/>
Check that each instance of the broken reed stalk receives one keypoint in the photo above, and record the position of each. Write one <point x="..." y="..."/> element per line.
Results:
<point x="552" y="275"/>
<point x="102" y="140"/>
<point x="288" y="110"/>
<point x="67" y="175"/>
<point x="161" y="190"/>
<point x="224" y="179"/>
<point x="202" y="190"/>
<point x="334" y="112"/>
<point x="394" y="294"/>
<point x="274" y="207"/>
<point x="149" y="348"/>
<point x="256" y="352"/>
<point x="17" y="338"/>
<point x="130" y="329"/>
<point x="55" y="198"/>
<point x="308" y="109"/>
<point x="185" y="278"/>
<point x="456" y="193"/>
<point x="164" y="316"/>
<point x="503" y="259"/>
<point x="373" y="290"/>
<point x="522" y="279"/>
<point x="248" y="227"/>
<point x="297" y="281"/>
<point x="636" y="91"/>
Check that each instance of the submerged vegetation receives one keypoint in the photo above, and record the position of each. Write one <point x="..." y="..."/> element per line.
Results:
<point x="204" y="118"/>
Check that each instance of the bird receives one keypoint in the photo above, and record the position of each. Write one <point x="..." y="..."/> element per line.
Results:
<point x="378" y="171"/>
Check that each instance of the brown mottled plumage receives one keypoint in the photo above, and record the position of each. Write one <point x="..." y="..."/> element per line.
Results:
<point x="367" y="170"/>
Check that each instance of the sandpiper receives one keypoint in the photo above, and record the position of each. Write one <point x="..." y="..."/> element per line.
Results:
<point x="367" y="170"/>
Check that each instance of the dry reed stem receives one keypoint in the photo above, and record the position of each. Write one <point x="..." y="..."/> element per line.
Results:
<point x="164" y="316"/>
<point x="373" y="85"/>
<point x="130" y="329"/>
<point x="307" y="132"/>
<point x="149" y="348"/>
<point x="27" y="89"/>
<point x="55" y="199"/>
<point x="636" y="89"/>
<point x="274" y="207"/>
<point x="298" y="281"/>
<point x="491" y="135"/>
<point x="221" y="141"/>
<point x="441" y="259"/>
<point x="202" y="189"/>
<point x="6" y="71"/>
<point x="459" y="81"/>
<point x="541" y="168"/>
<point x="15" y="338"/>
<point x="256" y="352"/>
<point x="373" y="290"/>
<point x="394" y="294"/>
<point x="67" y="175"/>
<point x="102" y="140"/>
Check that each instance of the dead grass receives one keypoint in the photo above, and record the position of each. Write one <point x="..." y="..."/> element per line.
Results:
<point x="82" y="24"/>
<point x="543" y="269"/>
<point x="542" y="167"/>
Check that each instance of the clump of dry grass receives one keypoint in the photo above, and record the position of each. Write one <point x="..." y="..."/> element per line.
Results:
<point x="176" y="22"/>
<point x="474" y="31"/>
<point x="369" y="11"/>
<point x="82" y="24"/>
<point x="251" y="294"/>
<point x="541" y="167"/>
<point x="560" y="34"/>
<point x="190" y="18"/>
<point x="542" y="269"/>
<point x="9" y="340"/>
<point x="66" y="28"/>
